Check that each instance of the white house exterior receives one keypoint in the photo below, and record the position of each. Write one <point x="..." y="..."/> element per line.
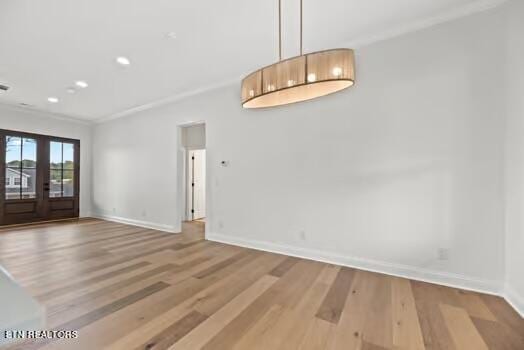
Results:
<point x="12" y="179"/>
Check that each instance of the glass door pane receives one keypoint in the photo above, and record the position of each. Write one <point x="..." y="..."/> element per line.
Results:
<point x="62" y="165"/>
<point x="28" y="175"/>
<point x="13" y="157"/>
<point x="20" y="167"/>
<point x="68" y="174"/>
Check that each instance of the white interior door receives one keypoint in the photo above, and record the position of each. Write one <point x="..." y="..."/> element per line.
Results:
<point x="197" y="175"/>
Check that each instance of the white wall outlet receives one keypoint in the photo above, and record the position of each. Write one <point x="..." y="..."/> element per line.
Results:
<point x="443" y="254"/>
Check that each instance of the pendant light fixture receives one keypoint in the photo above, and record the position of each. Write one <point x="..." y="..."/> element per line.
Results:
<point x="298" y="78"/>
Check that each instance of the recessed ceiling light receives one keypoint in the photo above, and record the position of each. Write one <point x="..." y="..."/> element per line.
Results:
<point x="124" y="61"/>
<point x="81" y="84"/>
<point x="171" y="35"/>
<point x="71" y="90"/>
<point x="52" y="99"/>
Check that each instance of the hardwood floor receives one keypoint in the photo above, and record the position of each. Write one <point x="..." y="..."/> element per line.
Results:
<point x="126" y="287"/>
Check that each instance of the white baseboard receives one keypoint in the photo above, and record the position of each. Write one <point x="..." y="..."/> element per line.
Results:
<point x="411" y="272"/>
<point x="139" y="223"/>
<point x="514" y="299"/>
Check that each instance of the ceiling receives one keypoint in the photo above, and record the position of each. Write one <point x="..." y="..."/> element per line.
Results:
<point x="45" y="46"/>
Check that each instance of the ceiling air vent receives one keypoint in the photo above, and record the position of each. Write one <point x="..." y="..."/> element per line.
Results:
<point x="4" y="87"/>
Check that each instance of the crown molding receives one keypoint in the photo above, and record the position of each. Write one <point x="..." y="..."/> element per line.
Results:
<point x="167" y="100"/>
<point x="40" y="112"/>
<point x="414" y="26"/>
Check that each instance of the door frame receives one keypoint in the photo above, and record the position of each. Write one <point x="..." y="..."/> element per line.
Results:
<point x="43" y="201"/>
<point x="181" y="175"/>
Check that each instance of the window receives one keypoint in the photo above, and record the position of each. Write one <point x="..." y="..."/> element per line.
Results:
<point x="61" y="165"/>
<point x="20" y="165"/>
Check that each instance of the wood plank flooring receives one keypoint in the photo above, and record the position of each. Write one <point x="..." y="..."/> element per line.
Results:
<point x="125" y="287"/>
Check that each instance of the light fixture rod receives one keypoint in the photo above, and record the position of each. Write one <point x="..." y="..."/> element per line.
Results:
<point x="301" y="53"/>
<point x="280" y="30"/>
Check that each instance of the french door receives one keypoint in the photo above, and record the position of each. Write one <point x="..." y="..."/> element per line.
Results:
<point x="39" y="177"/>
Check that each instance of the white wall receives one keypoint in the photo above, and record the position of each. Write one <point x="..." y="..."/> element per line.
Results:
<point x="515" y="156"/>
<point x="194" y="136"/>
<point x="381" y="176"/>
<point x="12" y="118"/>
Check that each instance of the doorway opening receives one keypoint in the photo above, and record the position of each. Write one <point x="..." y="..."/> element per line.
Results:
<point x="196" y="185"/>
<point x="193" y="144"/>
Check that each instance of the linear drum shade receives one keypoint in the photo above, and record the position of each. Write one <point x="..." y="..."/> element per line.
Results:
<point x="299" y="78"/>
